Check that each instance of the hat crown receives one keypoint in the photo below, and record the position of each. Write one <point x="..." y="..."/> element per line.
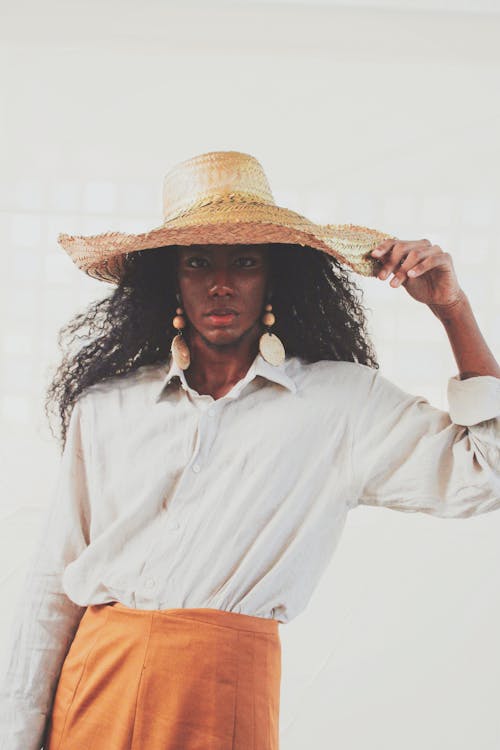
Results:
<point x="216" y="174"/>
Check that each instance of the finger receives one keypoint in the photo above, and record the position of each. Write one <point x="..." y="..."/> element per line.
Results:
<point x="432" y="261"/>
<point x="383" y="247"/>
<point x="413" y="258"/>
<point x="439" y="259"/>
<point x="397" y="256"/>
<point x="400" y="254"/>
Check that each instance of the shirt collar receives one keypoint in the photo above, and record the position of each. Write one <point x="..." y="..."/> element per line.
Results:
<point x="259" y="366"/>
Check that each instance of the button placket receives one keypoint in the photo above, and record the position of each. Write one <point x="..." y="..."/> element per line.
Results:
<point x="207" y="429"/>
<point x="167" y="524"/>
<point x="202" y="428"/>
<point x="171" y="524"/>
<point x="194" y="465"/>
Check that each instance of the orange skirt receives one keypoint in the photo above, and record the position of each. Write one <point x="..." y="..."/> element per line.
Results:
<point x="168" y="679"/>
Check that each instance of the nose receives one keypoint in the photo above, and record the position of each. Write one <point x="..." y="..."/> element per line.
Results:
<point x="221" y="282"/>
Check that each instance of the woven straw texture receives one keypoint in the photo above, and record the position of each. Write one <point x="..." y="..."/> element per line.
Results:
<point x="222" y="197"/>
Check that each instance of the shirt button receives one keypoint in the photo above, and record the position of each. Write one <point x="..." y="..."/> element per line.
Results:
<point x="196" y="468"/>
<point x="150" y="583"/>
<point x="173" y="525"/>
<point x="210" y="412"/>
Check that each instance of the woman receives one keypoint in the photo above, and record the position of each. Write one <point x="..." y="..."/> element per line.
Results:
<point x="202" y="494"/>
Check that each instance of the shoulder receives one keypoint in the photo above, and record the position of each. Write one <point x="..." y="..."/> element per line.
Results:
<point x="359" y="386"/>
<point x="326" y="373"/>
<point x="118" y="390"/>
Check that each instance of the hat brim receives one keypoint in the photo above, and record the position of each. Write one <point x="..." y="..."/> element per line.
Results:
<point x="226" y="221"/>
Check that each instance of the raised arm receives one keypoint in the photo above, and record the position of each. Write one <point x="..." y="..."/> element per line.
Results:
<point x="428" y="275"/>
<point x="409" y="455"/>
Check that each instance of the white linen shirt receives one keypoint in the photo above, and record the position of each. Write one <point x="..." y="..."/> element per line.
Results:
<point x="168" y="498"/>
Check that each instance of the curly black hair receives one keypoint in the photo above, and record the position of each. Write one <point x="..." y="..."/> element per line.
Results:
<point x="319" y="315"/>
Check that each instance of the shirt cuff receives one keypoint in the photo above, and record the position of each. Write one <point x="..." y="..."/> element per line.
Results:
<point x="474" y="399"/>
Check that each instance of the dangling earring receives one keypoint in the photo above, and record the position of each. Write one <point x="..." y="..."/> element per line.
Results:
<point x="270" y="346"/>
<point x="179" y="348"/>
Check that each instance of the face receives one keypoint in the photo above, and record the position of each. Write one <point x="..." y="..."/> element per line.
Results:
<point x="224" y="278"/>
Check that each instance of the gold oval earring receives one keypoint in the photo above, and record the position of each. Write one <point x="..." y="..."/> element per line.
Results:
<point x="179" y="348"/>
<point x="270" y="346"/>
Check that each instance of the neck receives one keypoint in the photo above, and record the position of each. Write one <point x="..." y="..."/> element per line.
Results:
<point x="215" y="368"/>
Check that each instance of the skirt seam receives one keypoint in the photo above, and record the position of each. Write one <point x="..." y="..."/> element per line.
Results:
<point x="253" y="700"/>
<point x="235" y="705"/>
<point x="140" y="682"/>
<point x="89" y="652"/>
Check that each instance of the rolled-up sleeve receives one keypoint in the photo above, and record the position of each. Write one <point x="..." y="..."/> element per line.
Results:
<point x="44" y="620"/>
<point x="411" y="456"/>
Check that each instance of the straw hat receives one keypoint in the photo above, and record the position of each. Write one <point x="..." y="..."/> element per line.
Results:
<point x="222" y="197"/>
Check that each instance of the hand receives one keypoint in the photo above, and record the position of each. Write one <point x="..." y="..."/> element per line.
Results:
<point x="425" y="271"/>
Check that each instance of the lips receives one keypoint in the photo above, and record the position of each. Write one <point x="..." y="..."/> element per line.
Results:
<point x="222" y="317"/>
<point x="223" y="311"/>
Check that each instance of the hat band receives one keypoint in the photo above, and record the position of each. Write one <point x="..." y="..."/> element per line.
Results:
<point x="237" y="196"/>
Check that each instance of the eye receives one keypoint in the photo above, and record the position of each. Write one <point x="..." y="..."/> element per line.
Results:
<point x="198" y="261"/>
<point x="195" y="258"/>
<point x="252" y="261"/>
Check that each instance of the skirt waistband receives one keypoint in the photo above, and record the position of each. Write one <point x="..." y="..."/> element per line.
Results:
<point x="210" y="616"/>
